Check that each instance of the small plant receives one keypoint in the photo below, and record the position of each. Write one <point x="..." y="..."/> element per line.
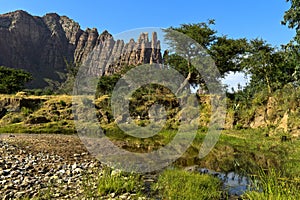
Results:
<point x="89" y="185"/>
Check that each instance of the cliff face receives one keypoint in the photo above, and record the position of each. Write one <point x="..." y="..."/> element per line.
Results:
<point x="41" y="45"/>
<point x="109" y="56"/>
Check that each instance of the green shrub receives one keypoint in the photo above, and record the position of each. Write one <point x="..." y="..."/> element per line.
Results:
<point x="47" y="91"/>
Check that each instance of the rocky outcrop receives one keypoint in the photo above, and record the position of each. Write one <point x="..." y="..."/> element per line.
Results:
<point x="110" y="56"/>
<point x="42" y="45"/>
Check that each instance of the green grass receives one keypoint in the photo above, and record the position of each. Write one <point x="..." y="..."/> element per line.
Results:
<point x="272" y="185"/>
<point x="51" y="127"/>
<point x="110" y="181"/>
<point x="178" y="184"/>
<point x="118" y="183"/>
<point x="56" y="109"/>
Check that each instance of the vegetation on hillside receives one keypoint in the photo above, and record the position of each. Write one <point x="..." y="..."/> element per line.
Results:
<point x="13" y="80"/>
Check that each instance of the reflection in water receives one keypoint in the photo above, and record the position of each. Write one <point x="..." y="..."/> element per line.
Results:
<point x="234" y="183"/>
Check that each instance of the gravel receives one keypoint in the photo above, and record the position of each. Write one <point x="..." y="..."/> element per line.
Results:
<point x="34" y="166"/>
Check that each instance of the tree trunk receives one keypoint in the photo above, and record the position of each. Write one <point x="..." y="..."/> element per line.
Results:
<point x="268" y="84"/>
<point x="186" y="80"/>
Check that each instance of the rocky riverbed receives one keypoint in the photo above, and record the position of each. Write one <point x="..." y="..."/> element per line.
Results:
<point x="48" y="167"/>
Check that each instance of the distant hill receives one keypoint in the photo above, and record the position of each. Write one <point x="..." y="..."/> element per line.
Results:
<point x="42" y="45"/>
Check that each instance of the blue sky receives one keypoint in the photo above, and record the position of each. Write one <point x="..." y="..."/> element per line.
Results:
<point x="234" y="18"/>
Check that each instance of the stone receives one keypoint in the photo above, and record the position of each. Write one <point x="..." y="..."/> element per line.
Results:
<point x="20" y="194"/>
<point x="9" y="186"/>
<point x="115" y="172"/>
<point x="112" y="195"/>
<point x="74" y="166"/>
<point x="124" y="196"/>
<point x="78" y="170"/>
<point x="54" y="177"/>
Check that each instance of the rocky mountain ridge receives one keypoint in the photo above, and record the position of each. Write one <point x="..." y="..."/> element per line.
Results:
<point x="42" y="45"/>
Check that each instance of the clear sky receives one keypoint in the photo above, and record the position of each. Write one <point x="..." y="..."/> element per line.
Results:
<point x="234" y="18"/>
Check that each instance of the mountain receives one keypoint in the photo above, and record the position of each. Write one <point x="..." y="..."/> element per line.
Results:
<point x="42" y="45"/>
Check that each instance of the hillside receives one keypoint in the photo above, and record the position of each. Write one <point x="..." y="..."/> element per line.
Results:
<point x="53" y="114"/>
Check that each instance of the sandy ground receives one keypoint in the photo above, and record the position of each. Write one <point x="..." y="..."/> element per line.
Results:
<point x="65" y="146"/>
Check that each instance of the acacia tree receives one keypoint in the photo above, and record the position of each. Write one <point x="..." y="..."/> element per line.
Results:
<point x="184" y="50"/>
<point x="224" y="51"/>
<point x="13" y="80"/>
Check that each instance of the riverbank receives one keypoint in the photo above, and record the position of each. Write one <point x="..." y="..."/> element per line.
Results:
<point x="57" y="166"/>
